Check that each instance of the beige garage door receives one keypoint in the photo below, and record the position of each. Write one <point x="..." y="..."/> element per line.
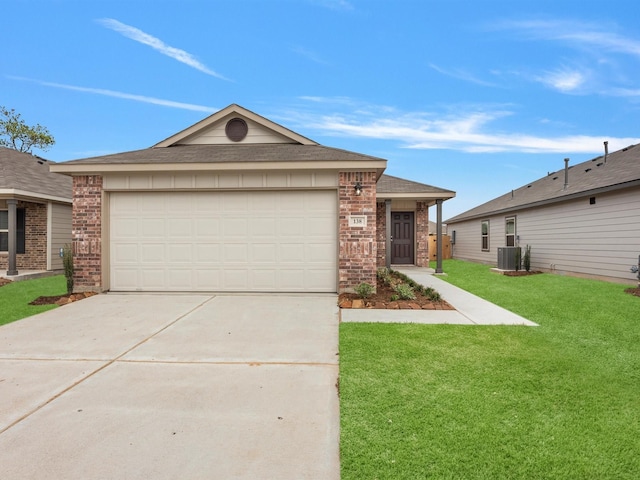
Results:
<point x="223" y="241"/>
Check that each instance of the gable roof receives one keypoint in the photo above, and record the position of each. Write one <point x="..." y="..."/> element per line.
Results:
<point x="620" y="169"/>
<point x="28" y="176"/>
<point x="233" y="110"/>
<point x="205" y="146"/>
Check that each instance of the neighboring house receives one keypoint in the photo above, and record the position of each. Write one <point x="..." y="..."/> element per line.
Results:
<point x="237" y="202"/>
<point x="35" y="213"/>
<point x="583" y="220"/>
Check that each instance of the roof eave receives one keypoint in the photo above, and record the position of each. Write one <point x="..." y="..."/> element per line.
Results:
<point x="102" y="168"/>
<point x="541" y="203"/>
<point x="32" y="196"/>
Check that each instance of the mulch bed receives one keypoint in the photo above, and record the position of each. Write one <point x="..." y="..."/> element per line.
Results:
<point x="382" y="300"/>
<point x="4" y="281"/>
<point x="633" y="291"/>
<point x="62" y="299"/>
<point x="519" y="273"/>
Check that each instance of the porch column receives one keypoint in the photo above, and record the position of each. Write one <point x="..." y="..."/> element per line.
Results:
<point x="13" y="243"/>
<point x="388" y="240"/>
<point x="439" y="236"/>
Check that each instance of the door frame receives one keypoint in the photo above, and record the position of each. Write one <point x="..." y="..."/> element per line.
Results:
<point x="413" y="236"/>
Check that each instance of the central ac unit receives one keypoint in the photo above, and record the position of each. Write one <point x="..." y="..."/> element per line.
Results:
<point x="508" y="258"/>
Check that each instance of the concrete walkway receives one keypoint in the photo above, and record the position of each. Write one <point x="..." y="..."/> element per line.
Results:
<point x="172" y="386"/>
<point x="469" y="309"/>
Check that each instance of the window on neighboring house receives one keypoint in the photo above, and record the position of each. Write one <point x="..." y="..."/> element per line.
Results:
<point x="510" y="231"/>
<point x="485" y="235"/>
<point x="20" y="230"/>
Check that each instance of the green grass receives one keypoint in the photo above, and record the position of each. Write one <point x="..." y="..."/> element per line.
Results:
<point x="15" y="297"/>
<point x="559" y="401"/>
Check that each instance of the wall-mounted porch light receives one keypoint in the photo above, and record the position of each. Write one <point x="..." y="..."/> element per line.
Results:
<point x="358" y="188"/>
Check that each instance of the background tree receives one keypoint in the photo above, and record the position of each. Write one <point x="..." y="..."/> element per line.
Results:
<point x="16" y="134"/>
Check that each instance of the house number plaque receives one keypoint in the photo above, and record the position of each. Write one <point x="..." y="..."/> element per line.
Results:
<point x="357" y="220"/>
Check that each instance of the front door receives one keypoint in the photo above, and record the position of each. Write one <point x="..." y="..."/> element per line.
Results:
<point x="402" y="238"/>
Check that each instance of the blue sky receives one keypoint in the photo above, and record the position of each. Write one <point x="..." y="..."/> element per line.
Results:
<point x="478" y="96"/>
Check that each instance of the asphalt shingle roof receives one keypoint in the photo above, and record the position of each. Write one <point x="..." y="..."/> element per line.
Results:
<point x="390" y="184"/>
<point x="620" y="169"/>
<point x="227" y="154"/>
<point x="29" y="173"/>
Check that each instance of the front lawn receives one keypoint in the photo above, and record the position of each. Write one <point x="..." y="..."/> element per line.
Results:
<point x="15" y="297"/>
<point x="558" y="401"/>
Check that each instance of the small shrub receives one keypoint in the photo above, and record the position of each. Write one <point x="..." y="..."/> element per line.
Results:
<point x="364" y="290"/>
<point x="527" y="258"/>
<point x="394" y="297"/>
<point x="384" y="275"/>
<point x="434" y="296"/>
<point x="67" y="262"/>
<point x="405" y="291"/>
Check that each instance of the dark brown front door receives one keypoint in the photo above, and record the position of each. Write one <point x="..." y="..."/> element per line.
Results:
<point x="402" y="238"/>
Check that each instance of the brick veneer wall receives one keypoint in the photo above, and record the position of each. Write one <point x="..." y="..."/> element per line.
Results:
<point x="35" y="256"/>
<point x="86" y="227"/>
<point x="357" y="257"/>
<point x="422" y="234"/>
<point x="381" y="233"/>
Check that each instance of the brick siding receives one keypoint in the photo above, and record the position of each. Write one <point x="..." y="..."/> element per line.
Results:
<point x="422" y="234"/>
<point x="357" y="258"/>
<point x="86" y="227"/>
<point x="381" y="233"/>
<point x="35" y="256"/>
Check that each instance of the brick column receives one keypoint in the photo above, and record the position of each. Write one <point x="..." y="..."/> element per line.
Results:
<point x="381" y="229"/>
<point x="422" y="234"/>
<point x="357" y="257"/>
<point x="87" y="232"/>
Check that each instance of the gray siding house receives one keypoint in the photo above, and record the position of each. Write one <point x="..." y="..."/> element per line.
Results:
<point x="583" y="220"/>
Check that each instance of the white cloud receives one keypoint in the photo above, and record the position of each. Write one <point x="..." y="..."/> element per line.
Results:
<point x="577" y="33"/>
<point x="563" y="79"/>
<point x="158" y="45"/>
<point x="116" y="94"/>
<point x="461" y="75"/>
<point x="471" y="131"/>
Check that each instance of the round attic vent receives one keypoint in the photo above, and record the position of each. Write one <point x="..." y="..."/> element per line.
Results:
<point x="236" y="129"/>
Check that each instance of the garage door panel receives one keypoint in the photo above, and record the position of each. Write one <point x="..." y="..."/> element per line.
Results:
<point x="179" y="279"/>
<point x="208" y="279"/>
<point x="234" y="227"/>
<point x="152" y="253"/>
<point x="207" y="228"/>
<point x="235" y="253"/>
<point x="125" y="253"/>
<point x="223" y="241"/>
<point x="263" y="253"/>
<point x="151" y="227"/>
<point x="180" y="253"/>
<point x="318" y="252"/>
<point x="148" y="205"/>
<point x="125" y="227"/>
<point x="207" y="252"/>
<point x="152" y="279"/>
<point x="236" y="279"/>
<point x="293" y="279"/>
<point x="179" y="228"/>
<point x="265" y="280"/>
<point x="263" y="227"/>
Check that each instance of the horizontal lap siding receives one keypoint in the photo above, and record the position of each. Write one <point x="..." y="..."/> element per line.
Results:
<point x="60" y="232"/>
<point x="573" y="237"/>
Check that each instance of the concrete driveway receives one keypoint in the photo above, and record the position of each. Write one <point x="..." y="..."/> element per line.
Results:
<point x="172" y="386"/>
